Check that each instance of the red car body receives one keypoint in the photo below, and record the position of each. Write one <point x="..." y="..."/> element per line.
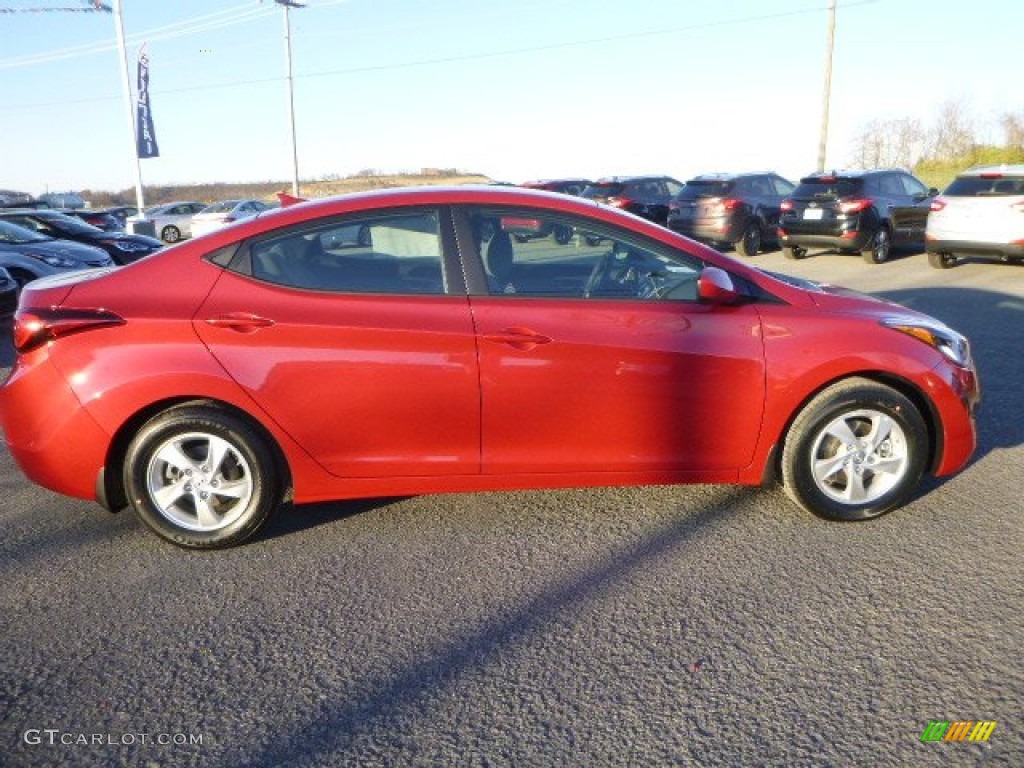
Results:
<point x="370" y="394"/>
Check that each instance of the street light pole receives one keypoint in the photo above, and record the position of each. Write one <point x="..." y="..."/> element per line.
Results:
<point x="823" y="137"/>
<point x="287" y="5"/>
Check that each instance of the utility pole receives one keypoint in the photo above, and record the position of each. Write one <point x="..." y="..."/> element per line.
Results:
<point x="119" y="24"/>
<point x="823" y="137"/>
<point x="287" y="5"/>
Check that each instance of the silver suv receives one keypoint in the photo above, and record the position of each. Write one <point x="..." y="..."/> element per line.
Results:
<point x="980" y="214"/>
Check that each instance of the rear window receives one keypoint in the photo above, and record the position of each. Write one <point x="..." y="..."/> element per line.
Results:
<point x="827" y="188"/>
<point x="695" y="189"/>
<point x="604" y="189"/>
<point x="979" y="186"/>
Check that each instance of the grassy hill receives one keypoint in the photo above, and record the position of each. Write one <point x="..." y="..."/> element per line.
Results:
<point x="266" y="190"/>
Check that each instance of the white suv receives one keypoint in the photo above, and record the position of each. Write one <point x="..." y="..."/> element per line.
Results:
<point x="980" y="214"/>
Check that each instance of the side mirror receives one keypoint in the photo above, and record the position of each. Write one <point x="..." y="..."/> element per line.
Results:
<point x="715" y="286"/>
<point x="932" y="192"/>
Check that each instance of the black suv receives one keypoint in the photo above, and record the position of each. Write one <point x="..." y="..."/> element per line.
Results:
<point x="849" y="211"/>
<point x="740" y="210"/>
<point x="646" y="196"/>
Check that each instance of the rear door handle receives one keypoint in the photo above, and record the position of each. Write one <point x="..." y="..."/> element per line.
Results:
<point x="243" y="322"/>
<point x="518" y="338"/>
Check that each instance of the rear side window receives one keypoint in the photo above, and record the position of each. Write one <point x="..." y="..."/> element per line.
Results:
<point x="608" y="189"/>
<point x="396" y="254"/>
<point x="983" y="186"/>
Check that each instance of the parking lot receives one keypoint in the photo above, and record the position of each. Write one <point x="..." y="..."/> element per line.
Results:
<point x="701" y="625"/>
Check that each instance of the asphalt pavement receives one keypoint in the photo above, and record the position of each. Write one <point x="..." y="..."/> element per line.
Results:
<point x="690" y="626"/>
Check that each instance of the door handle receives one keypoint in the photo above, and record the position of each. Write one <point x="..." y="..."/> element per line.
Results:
<point x="243" y="322"/>
<point x="518" y="338"/>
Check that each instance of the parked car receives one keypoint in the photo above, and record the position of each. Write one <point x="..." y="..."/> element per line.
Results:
<point x="9" y="290"/>
<point x="97" y="218"/>
<point x="981" y="213"/>
<point x="27" y="254"/>
<point x="525" y="228"/>
<point x="63" y="199"/>
<point x="123" y="248"/>
<point x="867" y="211"/>
<point x="647" y="196"/>
<point x="173" y="221"/>
<point x="227" y="212"/>
<point x="264" y="365"/>
<point x="730" y="210"/>
<point x="10" y="198"/>
<point x="120" y="213"/>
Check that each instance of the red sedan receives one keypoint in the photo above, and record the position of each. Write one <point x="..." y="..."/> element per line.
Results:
<point x="202" y="384"/>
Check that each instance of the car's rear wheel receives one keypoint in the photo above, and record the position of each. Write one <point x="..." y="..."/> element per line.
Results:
<point x="562" y="234"/>
<point x="750" y="243"/>
<point x="856" y="451"/>
<point x="942" y="260"/>
<point x="170" y="234"/>
<point x="879" y="247"/>
<point x="201" y="477"/>
<point x="793" y="252"/>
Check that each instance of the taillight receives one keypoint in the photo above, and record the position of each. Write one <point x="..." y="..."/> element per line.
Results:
<point x="228" y="219"/>
<point x="731" y="203"/>
<point x="35" y="327"/>
<point x="937" y="204"/>
<point x="786" y="205"/>
<point x="855" y="206"/>
<point x="618" y="202"/>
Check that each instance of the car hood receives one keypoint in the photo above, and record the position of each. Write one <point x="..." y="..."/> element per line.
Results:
<point x="836" y="298"/>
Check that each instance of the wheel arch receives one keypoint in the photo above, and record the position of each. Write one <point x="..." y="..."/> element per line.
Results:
<point x="907" y="388"/>
<point x="110" y="491"/>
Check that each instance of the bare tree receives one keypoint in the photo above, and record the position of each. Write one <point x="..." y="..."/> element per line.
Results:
<point x="953" y="134"/>
<point x="1013" y="127"/>
<point x="892" y="143"/>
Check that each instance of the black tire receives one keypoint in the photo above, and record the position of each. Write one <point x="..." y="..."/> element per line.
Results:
<point x="207" y="507"/>
<point x="750" y="242"/>
<point x="365" y="237"/>
<point x="879" y="247"/>
<point x="856" y="451"/>
<point x="170" y="234"/>
<point x="562" y="234"/>
<point x="21" y="278"/>
<point x="793" y="252"/>
<point x="942" y="260"/>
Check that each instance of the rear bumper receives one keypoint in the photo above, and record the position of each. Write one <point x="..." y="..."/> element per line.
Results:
<point x="713" y="231"/>
<point x="852" y="239"/>
<point x="975" y="248"/>
<point x="55" y="442"/>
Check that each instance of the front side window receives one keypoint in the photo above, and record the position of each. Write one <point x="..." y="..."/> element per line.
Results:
<point x="394" y="254"/>
<point x="529" y="254"/>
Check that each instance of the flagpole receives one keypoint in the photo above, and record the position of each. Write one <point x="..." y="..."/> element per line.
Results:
<point x="128" y="103"/>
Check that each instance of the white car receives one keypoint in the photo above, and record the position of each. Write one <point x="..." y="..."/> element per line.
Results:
<point x="172" y="221"/>
<point x="221" y="214"/>
<point x="980" y="214"/>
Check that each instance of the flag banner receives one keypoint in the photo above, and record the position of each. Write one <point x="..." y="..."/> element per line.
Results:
<point x="145" y="136"/>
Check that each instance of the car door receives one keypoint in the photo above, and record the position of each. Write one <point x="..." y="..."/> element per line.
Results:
<point x="367" y="358"/>
<point x="595" y="355"/>
<point x="917" y="205"/>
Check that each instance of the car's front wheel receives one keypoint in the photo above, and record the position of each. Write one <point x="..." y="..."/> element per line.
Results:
<point x="201" y="477"/>
<point x="170" y="234"/>
<point x="856" y="451"/>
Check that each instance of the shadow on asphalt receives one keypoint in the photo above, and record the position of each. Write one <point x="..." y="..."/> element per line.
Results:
<point x="387" y="697"/>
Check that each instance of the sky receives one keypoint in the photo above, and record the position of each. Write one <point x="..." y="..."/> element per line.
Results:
<point x="512" y="89"/>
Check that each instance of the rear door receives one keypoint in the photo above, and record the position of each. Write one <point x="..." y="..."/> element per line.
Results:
<point x="365" y="355"/>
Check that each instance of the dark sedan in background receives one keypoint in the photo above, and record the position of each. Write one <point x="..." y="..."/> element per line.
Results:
<point x="28" y="255"/>
<point x="123" y="248"/>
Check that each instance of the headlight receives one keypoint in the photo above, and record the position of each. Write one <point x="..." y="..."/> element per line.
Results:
<point x="123" y="245"/>
<point x="947" y="341"/>
<point x="54" y="261"/>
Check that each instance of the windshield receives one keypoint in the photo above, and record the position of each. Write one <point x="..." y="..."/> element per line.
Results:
<point x="227" y="205"/>
<point x="827" y="187"/>
<point x="69" y="224"/>
<point x="697" y="188"/>
<point x="12" y="234"/>
<point x="604" y="189"/>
